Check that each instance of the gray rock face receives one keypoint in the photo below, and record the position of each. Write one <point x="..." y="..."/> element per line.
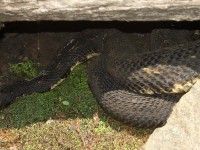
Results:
<point x="123" y="10"/>
<point x="182" y="131"/>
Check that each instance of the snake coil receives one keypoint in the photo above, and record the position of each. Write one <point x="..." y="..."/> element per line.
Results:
<point x="132" y="84"/>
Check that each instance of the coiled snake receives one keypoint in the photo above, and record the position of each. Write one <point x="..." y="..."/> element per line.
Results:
<point x="135" y="87"/>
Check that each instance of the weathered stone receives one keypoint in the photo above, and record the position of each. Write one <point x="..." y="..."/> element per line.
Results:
<point x="123" y="10"/>
<point x="182" y="131"/>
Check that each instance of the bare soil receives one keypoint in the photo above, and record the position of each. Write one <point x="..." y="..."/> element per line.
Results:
<point x="21" y="42"/>
<point x="39" y="41"/>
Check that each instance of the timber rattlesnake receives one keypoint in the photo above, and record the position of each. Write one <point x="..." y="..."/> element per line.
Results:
<point x="133" y="86"/>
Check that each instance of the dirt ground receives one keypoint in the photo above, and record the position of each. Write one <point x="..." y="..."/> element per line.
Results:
<point x="39" y="41"/>
<point x="21" y="42"/>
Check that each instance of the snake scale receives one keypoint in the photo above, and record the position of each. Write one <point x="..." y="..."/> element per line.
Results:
<point x="132" y="84"/>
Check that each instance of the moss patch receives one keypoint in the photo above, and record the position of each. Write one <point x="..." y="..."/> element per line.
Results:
<point x="67" y="117"/>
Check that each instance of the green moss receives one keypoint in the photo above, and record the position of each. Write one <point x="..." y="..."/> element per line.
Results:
<point x="41" y="106"/>
<point x="67" y="117"/>
<point x="25" y="69"/>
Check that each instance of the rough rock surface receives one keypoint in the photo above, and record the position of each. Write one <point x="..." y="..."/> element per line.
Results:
<point x="182" y="131"/>
<point x="123" y="10"/>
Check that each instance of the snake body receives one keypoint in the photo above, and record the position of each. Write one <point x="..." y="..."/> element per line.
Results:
<point x="131" y="85"/>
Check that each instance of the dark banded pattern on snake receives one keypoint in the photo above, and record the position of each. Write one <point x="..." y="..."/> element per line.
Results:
<point x="132" y="84"/>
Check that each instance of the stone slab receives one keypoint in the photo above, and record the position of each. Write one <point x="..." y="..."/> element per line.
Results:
<point x="182" y="131"/>
<point x="103" y="10"/>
